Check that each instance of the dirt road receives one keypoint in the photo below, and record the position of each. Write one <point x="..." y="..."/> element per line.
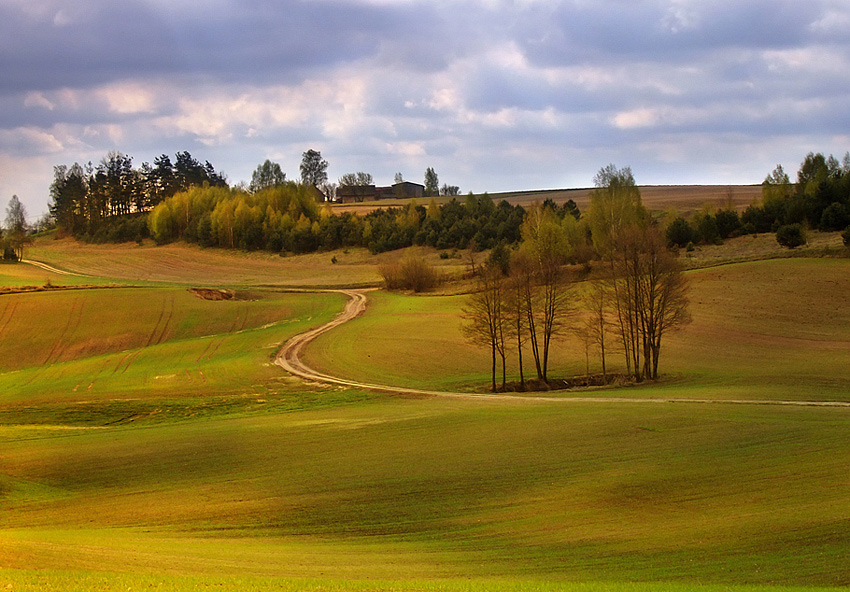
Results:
<point x="289" y="359"/>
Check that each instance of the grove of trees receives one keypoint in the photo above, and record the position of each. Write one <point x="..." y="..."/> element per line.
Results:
<point x="638" y="297"/>
<point x="107" y="202"/>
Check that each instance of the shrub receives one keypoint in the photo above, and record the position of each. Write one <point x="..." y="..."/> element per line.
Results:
<point x="791" y="235"/>
<point x="846" y="236"/>
<point x="728" y="223"/>
<point x="680" y="233"/>
<point x="706" y="228"/>
<point x="834" y="217"/>
<point x="412" y="273"/>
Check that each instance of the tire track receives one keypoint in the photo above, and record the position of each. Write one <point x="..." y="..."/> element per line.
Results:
<point x="156" y="326"/>
<point x="219" y="341"/>
<point x="167" y="322"/>
<point x="4" y="324"/>
<point x="289" y="358"/>
<point x="74" y="318"/>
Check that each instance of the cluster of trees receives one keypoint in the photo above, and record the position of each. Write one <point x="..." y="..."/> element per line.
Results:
<point x="286" y="217"/>
<point x="110" y="202"/>
<point x="819" y="199"/>
<point x="707" y="227"/>
<point x="96" y="201"/>
<point x="526" y="297"/>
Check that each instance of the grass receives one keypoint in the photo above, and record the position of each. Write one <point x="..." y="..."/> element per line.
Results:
<point x="777" y="329"/>
<point x="763" y="246"/>
<point x="684" y="198"/>
<point x="18" y="275"/>
<point x="146" y="344"/>
<point x="404" y="490"/>
<point x="72" y="582"/>
<point x="146" y="441"/>
<point x="190" y="264"/>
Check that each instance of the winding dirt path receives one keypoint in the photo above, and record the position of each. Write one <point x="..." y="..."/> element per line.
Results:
<point x="289" y="359"/>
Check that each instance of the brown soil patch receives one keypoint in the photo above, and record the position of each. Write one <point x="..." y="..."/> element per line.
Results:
<point x="213" y="293"/>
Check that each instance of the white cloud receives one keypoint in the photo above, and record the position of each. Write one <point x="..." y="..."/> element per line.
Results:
<point x="636" y="118"/>
<point x="406" y="149"/>
<point x="128" y="97"/>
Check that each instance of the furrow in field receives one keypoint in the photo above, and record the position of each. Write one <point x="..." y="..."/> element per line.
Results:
<point x="155" y="330"/>
<point x="71" y="324"/>
<point x="5" y="323"/>
<point x="167" y="323"/>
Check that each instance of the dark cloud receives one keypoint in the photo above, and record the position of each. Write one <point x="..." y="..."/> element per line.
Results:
<point x="627" y="32"/>
<point x="498" y="94"/>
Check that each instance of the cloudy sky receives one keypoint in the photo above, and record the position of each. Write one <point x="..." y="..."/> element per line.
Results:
<point x="493" y="94"/>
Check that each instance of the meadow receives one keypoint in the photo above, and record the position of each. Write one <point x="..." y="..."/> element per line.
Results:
<point x="147" y="442"/>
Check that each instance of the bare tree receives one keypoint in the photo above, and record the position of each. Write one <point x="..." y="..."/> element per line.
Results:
<point x="16" y="228"/>
<point x="650" y="297"/>
<point x="646" y="286"/>
<point x="485" y="322"/>
<point x="545" y="286"/>
<point x="596" y="327"/>
<point x="516" y="320"/>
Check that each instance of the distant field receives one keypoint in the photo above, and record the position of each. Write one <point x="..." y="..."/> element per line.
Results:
<point x="768" y="329"/>
<point x="18" y="275"/>
<point x="188" y="264"/>
<point x="683" y="198"/>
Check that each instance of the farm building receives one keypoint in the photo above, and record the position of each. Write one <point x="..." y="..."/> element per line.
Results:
<point x="356" y="193"/>
<point x="360" y="193"/>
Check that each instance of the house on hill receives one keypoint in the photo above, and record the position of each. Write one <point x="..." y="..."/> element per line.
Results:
<point x="407" y="190"/>
<point x="356" y="193"/>
<point x="361" y="193"/>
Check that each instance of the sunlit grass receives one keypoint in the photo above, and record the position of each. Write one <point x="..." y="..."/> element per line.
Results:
<point x="189" y="462"/>
<point x="401" y="489"/>
<point x="147" y="343"/>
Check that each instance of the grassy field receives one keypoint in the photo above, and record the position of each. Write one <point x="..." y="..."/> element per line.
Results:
<point x="421" y="489"/>
<point x="777" y="329"/>
<point x="146" y="442"/>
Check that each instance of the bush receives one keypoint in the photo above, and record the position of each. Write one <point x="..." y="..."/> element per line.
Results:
<point x="834" y="217"/>
<point x="412" y="273"/>
<point x="791" y="235"/>
<point x="680" y="233"/>
<point x="706" y="229"/>
<point x="728" y="223"/>
<point x="846" y="236"/>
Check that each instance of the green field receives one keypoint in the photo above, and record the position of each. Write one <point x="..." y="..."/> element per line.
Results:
<point x="146" y="442"/>
<point x="777" y="329"/>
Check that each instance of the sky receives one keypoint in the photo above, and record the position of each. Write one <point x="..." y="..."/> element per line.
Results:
<point x="495" y="95"/>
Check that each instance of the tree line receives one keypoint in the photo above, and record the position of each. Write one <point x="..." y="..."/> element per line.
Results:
<point x="110" y="202"/>
<point x="819" y="199"/>
<point x="287" y="218"/>
<point x="107" y="202"/>
<point x="526" y="297"/>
